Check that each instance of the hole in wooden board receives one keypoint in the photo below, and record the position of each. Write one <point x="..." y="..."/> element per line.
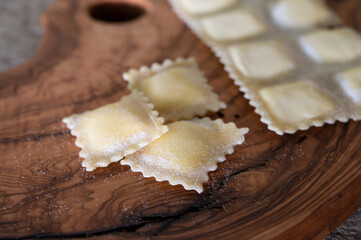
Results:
<point x="118" y="11"/>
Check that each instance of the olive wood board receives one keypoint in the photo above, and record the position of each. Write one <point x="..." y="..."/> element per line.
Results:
<point x="299" y="186"/>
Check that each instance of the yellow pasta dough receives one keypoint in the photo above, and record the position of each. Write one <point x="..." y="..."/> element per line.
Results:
<point x="232" y="25"/>
<point x="177" y="89"/>
<point x="296" y="104"/>
<point x="187" y="152"/>
<point x="268" y="46"/>
<point x="300" y="13"/>
<point x="109" y="133"/>
<point x="198" y="7"/>
<point x="332" y="46"/>
<point x="261" y="60"/>
<point x="350" y="82"/>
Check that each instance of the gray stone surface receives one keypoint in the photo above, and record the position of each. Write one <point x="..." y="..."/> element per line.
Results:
<point x="349" y="230"/>
<point x="19" y="36"/>
<point x="19" y="30"/>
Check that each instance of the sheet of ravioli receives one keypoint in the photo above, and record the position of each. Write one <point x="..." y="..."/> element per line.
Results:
<point x="294" y="60"/>
<point x="187" y="152"/>
<point x="109" y="133"/>
<point x="177" y="89"/>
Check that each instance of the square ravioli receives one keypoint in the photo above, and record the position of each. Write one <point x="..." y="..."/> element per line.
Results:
<point x="199" y="7"/>
<point x="177" y="89"/>
<point x="263" y="60"/>
<point x="187" y="152"/>
<point x="350" y="82"/>
<point x="300" y="13"/>
<point x="232" y="25"/>
<point x="332" y="46"/>
<point x="297" y="104"/>
<point x="109" y="133"/>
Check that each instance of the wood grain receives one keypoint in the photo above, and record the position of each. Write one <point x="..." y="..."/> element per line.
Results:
<point x="299" y="186"/>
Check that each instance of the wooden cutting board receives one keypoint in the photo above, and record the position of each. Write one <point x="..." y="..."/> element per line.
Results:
<point x="299" y="186"/>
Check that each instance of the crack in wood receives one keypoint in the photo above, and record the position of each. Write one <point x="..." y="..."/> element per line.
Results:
<point x="33" y="137"/>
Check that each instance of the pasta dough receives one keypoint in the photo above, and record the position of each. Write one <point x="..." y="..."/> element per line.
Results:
<point x="296" y="103"/>
<point x="198" y="7"/>
<point x="267" y="46"/>
<point x="332" y="46"/>
<point x="300" y="13"/>
<point x="109" y="133"/>
<point x="232" y="25"/>
<point x="264" y="60"/>
<point x="350" y="82"/>
<point x="177" y="89"/>
<point x="187" y="152"/>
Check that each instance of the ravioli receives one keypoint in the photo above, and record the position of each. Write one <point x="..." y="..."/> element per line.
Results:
<point x="281" y="54"/>
<point x="297" y="104"/>
<point x="232" y="25"/>
<point x="332" y="46"/>
<point x="109" y="133"/>
<point x="300" y="13"/>
<point x="350" y="82"/>
<point x="187" y="152"/>
<point x="261" y="60"/>
<point x="199" y="7"/>
<point x="177" y="89"/>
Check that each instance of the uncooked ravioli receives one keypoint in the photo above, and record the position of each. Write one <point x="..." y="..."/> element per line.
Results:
<point x="232" y="25"/>
<point x="332" y="45"/>
<point x="177" y="89"/>
<point x="300" y="13"/>
<point x="296" y="104"/>
<point x="187" y="152"/>
<point x="109" y="133"/>
<point x="199" y="7"/>
<point x="261" y="60"/>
